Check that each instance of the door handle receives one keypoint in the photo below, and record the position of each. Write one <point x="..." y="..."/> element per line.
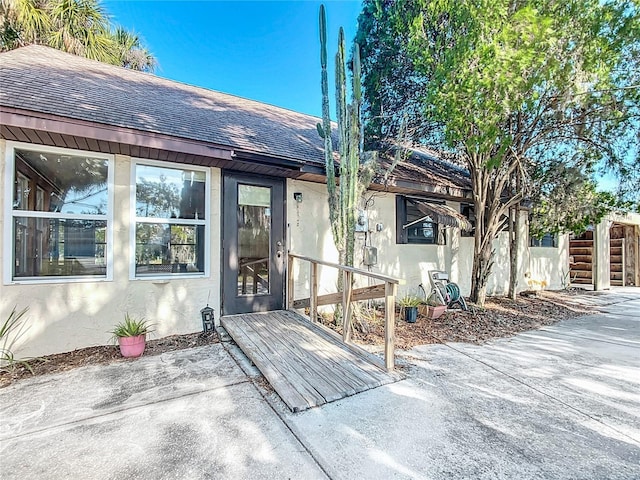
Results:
<point x="279" y="249"/>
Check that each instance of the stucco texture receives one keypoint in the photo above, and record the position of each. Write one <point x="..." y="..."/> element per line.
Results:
<point x="310" y="235"/>
<point x="64" y="316"/>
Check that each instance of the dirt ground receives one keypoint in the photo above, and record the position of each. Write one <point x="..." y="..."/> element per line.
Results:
<point x="100" y="355"/>
<point x="500" y="317"/>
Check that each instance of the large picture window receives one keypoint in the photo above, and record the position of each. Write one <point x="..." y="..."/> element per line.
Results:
<point x="171" y="216"/>
<point x="60" y="213"/>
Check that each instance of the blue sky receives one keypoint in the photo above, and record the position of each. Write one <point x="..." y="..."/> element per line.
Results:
<point x="262" y="50"/>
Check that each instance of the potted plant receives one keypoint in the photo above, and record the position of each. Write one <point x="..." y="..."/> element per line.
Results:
<point x="409" y="304"/>
<point x="433" y="309"/>
<point x="132" y="335"/>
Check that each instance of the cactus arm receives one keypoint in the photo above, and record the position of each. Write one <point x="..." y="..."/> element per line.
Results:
<point x="326" y="128"/>
<point x="343" y="200"/>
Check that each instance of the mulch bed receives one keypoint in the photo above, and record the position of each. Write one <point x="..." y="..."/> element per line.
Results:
<point x="500" y="317"/>
<point x="100" y="355"/>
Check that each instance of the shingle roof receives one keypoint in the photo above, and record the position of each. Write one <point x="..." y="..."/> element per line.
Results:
<point x="41" y="79"/>
<point x="45" y="80"/>
<point x="427" y="166"/>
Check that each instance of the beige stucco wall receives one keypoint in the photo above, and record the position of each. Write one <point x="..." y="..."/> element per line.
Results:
<point x="538" y="267"/>
<point x="66" y="316"/>
<point x="601" y="255"/>
<point x="310" y="235"/>
<point x="625" y="218"/>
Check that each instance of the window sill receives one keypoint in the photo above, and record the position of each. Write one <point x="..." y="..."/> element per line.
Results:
<point x="53" y="280"/>
<point x="162" y="279"/>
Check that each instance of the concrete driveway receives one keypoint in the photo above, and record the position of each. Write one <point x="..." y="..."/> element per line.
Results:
<point x="562" y="402"/>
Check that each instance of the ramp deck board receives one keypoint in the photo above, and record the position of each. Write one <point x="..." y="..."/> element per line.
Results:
<point x="305" y="364"/>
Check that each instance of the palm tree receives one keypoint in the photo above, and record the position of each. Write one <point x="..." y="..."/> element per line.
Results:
<point x="23" y="22"/>
<point x="80" y="27"/>
<point x="131" y="53"/>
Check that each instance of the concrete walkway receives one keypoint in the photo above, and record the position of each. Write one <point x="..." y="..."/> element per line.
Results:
<point x="558" y="403"/>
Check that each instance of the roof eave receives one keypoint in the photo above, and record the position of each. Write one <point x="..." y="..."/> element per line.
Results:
<point x="107" y="133"/>
<point x="446" y="192"/>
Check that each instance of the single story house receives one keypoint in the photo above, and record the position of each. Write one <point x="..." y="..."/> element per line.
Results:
<point x="126" y="192"/>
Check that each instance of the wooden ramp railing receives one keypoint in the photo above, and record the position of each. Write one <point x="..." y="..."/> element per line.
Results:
<point x="386" y="290"/>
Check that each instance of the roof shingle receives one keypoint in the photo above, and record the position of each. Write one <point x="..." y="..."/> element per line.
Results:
<point x="45" y="80"/>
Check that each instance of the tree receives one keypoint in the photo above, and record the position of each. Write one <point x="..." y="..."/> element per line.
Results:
<point x="130" y="51"/>
<point x="80" y="27"/>
<point x="509" y="85"/>
<point x="392" y="86"/>
<point x="568" y="201"/>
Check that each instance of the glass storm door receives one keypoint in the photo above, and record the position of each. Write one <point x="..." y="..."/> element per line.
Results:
<point x="253" y="244"/>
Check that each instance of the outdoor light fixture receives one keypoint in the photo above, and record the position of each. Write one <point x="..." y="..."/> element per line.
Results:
<point x="207" y="319"/>
<point x="297" y="196"/>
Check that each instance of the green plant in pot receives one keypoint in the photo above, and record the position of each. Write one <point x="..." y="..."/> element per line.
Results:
<point x="410" y="304"/>
<point x="132" y="335"/>
<point x="434" y="308"/>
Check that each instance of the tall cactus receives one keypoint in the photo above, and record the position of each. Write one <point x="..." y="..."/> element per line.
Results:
<point x="342" y="201"/>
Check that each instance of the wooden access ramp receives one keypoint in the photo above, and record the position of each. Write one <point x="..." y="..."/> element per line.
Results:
<point x="307" y="365"/>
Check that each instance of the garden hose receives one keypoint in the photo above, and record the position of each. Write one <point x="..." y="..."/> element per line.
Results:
<point x="453" y="291"/>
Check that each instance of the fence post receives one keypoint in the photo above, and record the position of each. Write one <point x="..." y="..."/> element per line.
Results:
<point x="346" y="306"/>
<point x="389" y="325"/>
<point x="289" y="282"/>
<point x="313" y="294"/>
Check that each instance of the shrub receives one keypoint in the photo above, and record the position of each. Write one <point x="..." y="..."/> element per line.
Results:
<point x="10" y="332"/>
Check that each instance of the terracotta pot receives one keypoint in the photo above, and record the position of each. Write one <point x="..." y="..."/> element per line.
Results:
<point x="132" y="346"/>
<point x="434" y="312"/>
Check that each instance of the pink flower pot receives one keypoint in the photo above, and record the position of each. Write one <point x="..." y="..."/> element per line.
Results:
<point x="434" y="312"/>
<point x="132" y="346"/>
<point x="431" y="311"/>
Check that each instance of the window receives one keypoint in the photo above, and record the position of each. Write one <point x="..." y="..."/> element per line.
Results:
<point x="60" y="213"/>
<point x="413" y="226"/>
<point x="254" y="239"/>
<point x="171" y="214"/>
<point x="547" y="240"/>
<point x="467" y="210"/>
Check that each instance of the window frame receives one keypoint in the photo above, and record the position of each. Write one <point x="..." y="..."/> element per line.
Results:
<point x="471" y="216"/>
<point x="134" y="220"/>
<point x="10" y="214"/>
<point x="555" y="241"/>
<point x="402" y="237"/>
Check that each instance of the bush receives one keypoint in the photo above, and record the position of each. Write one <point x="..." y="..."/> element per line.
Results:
<point x="10" y="332"/>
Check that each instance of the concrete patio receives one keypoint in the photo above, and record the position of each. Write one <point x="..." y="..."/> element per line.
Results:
<point x="561" y="402"/>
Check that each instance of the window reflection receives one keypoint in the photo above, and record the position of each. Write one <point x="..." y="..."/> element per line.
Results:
<point x="165" y="198"/>
<point x="170" y="193"/>
<point x="254" y="233"/>
<point x="59" y="247"/>
<point x="69" y="184"/>
<point x="59" y="210"/>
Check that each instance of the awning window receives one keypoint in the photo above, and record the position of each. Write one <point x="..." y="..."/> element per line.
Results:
<point x="441" y="214"/>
